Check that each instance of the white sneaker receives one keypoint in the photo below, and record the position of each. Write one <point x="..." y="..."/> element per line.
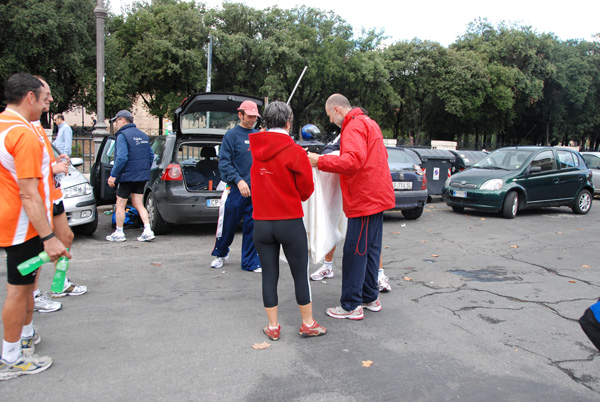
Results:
<point x="116" y="236"/>
<point x="44" y="305"/>
<point x="146" y="236"/>
<point x="258" y="270"/>
<point x="219" y="261"/>
<point x="383" y="282"/>
<point x="326" y="271"/>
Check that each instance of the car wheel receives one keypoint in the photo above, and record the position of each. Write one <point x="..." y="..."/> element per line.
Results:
<point x="412" y="214"/>
<point x="158" y="225"/>
<point x="511" y="205"/>
<point x="87" y="229"/>
<point x="583" y="203"/>
<point x="460" y="210"/>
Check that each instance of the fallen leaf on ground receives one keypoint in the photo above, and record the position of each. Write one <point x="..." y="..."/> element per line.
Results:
<point x="424" y="241"/>
<point x="395" y="232"/>
<point x="434" y="255"/>
<point x="156" y="264"/>
<point x="559" y="233"/>
<point x="367" y="363"/>
<point x="259" y="346"/>
<point x="407" y="278"/>
<point x="515" y="246"/>
<point x="482" y="219"/>
<point x="386" y="247"/>
<point x="572" y="282"/>
<point x="585" y="266"/>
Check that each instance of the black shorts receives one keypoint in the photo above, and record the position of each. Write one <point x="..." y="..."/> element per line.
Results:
<point x="58" y="209"/>
<point x="127" y="188"/>
<point x="16" y="255"/>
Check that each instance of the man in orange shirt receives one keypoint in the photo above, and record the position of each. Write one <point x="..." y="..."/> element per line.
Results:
<point x="25" y="213"/>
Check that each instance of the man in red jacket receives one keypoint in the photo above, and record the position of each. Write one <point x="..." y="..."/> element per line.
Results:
<point x="367" y="191"/>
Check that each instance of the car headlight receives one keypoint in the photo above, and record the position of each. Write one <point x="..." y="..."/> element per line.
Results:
<point x="494" y="184"/>
<point x="77" y="191"/>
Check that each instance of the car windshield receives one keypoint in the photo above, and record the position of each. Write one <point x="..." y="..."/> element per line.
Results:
<point x="191" y="122"/>
<point x="398" y="159"/>
<point x="506" y="159"/>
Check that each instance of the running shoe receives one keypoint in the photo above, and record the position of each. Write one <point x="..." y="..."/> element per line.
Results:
<point x="43" y="304"/>
<point x="373" y="306"/>
<point x="326" y="271"/>
<point x="339" y="312"/>
<point x="116" y="236"/>
<point x="25" y="364"/>
<point x="383" y="282"/>
<point x="313" y="330"/>
<point x="219" y="261"/>
<point x="146" y="236"/>
<point x="28" y="343"/>
<point x="71" y="290"/>
<point x="257" y="270"/>
<point x="273" y="334"/>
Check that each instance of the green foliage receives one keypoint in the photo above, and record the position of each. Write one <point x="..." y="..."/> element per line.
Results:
<point x="54" y="39"/>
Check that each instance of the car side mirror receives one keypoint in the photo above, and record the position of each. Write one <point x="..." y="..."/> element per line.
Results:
<point x="76" y="161"/>
<point x="535" y="169"/>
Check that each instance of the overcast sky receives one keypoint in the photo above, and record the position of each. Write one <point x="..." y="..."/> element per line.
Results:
<point x="444" y="20"/>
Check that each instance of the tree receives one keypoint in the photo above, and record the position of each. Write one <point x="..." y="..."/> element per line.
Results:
<point x="162" y="46"/>
<point x="52" y="38"/>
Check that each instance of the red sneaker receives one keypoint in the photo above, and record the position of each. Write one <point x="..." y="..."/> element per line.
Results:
<point x="313" y="330"/>
<point x="273" y="334"/>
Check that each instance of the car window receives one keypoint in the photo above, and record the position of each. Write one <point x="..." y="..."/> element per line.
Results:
<point x="566" y="159"/>
<point x="509" y="159"/>
<point x="545" y="160"/>
<point x="592" y="161"/>
<point x="158" y="147"/>
<point x="399" y="158"/>
<point x="108" y="156"/>
<point x="201" y="120"/>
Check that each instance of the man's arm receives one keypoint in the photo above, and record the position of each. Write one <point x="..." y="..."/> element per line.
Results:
<point x="34" y="208"/>
<point x="228" y="172"/>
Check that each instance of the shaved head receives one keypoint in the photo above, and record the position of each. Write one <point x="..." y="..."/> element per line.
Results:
<point x="338" y="100"/>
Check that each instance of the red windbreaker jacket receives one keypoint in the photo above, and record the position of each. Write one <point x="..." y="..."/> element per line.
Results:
<point x="365" y="176"/>
<point x="281" y="176"/>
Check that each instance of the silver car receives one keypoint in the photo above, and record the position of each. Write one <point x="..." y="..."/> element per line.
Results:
<point x="79" y="201"/>
<point x="592" y="159"/>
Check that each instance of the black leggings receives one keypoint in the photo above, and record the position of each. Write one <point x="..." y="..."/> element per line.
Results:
<point x="291" y="235"/>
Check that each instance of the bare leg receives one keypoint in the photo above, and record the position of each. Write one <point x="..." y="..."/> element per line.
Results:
<point x="138" y="202"/>
<point x="272" y="316"/>
<point x="17" y="310"/>
<point x="306" y="313"/>
<point x="120" y="211"/>
<point x="329" y="255"/>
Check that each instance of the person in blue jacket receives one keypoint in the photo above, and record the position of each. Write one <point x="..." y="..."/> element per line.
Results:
<point x="131" y="171"/>
<point x="235" y="161"/>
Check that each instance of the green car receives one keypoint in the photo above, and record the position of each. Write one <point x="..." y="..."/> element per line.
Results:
<point x="514" y="178"/>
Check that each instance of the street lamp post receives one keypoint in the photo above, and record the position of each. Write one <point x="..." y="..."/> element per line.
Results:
<point x="100" y="130"/>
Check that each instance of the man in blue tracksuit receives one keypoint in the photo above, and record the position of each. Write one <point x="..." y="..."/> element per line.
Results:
<point x="235" y="161"/>
<point x="131" y="171"/>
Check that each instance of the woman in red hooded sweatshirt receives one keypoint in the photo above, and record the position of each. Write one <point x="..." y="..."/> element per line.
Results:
<point x="281" y="178"/>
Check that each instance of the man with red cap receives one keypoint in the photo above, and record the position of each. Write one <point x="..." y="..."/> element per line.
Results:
<point x="235" y="161"/>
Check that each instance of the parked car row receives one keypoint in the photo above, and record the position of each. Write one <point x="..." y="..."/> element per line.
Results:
<point x="184" y="179"/>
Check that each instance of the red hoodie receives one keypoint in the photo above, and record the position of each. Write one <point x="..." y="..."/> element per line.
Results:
<point x="281" y="176"/>
<point x="365" y="176"/>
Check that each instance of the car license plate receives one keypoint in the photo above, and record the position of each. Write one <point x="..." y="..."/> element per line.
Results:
<point x="461" y="194"/>
<point x="213" y="202"/>
<point x="402" y="185"/>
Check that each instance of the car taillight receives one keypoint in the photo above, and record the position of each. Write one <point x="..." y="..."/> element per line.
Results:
<point x="424" y="184"/>
<point x="172" y="172"/>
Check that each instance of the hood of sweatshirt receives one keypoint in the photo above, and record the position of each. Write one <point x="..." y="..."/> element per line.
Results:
<point x="266" y="145"/>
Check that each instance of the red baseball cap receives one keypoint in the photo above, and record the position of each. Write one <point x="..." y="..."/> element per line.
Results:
<point x="250" y="108"/>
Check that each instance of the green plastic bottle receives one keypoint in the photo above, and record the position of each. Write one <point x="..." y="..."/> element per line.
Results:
<point x="33" y="263"/>
<point x="58" y="282"/>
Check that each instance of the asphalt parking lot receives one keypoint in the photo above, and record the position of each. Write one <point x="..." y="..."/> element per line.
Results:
<point x="482" y="309"/>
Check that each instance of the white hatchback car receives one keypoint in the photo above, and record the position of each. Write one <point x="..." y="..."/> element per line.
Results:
<point x="79" y="201"/>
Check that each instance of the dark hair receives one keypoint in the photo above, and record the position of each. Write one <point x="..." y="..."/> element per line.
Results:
<point x="60" y="116"/>
<point x="19" y="85"/>
<point x="127" y="119"/>
<point x="277" y="114"/>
